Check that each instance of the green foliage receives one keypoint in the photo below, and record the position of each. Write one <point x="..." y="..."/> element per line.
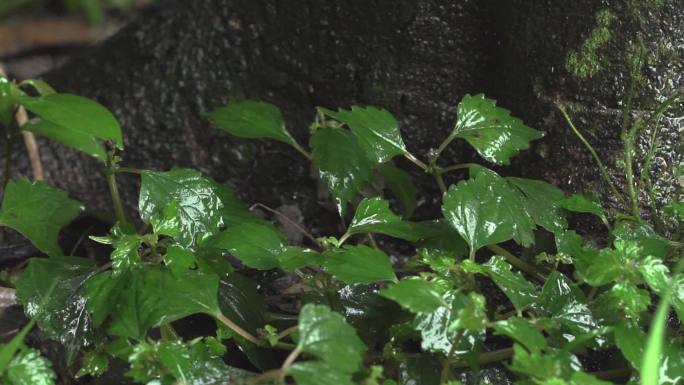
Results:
<point x="421" y="304"/>
<point x="38" y="211"/>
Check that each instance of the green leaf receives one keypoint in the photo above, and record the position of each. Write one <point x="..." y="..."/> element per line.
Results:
<point x="196" y="199"/>
<point x="40" y="86"/>
<point x="155" y="295"/>
<point x="542" y="202"/>
<point x="655" y="273"/>
<point x="491" y="130"/>
<point x="293" y="258"/>
<point x="81" y="116"/>
<point x="240" y="301"/>
<point x="415" y="295"/>
<point x="60" y="311"/>
<point x="676" y="208"/>
<point x="179" y="259"/>
<point x="581" y="378"/>
<point x="193" y="364"/>
<point x="519" y="291"/>
<point x="30" y="368"/>
<point x="94" y="364"/>
<point x="583" y="203"/>
<point x="126" y="252"/>
<point x="342" y="164"/>
<point x="7" y="103"/>
<point x="561" y="299"/>
<point x="630" y="299"/>
<point x="67" y="136"/>
<point x="377" y="131"/>
<point x="630" y="339"/>
<point x="598" y="267"/>
<point x="523" y="332"/>
<point x="401" y="185"/>
<point x="38" y="212"/>
<point x="485" y="211"/>
<point x="643" y="235"/>
<point x="254" y="244"/>
<point x="373" y="215"/>
<point x="439" y="328"/>
<point x="326" y="335"/>
<point x="319" y="373"/>
<point x="359" y="264"/>
<point x="252" y="119"/>
<point x="539" y="365"/>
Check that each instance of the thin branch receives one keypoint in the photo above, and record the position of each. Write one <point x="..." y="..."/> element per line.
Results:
<point x="519" y="263"/>
<point x="290" y="221"/>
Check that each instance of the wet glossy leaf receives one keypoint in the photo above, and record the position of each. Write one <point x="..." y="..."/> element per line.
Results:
<point x="154" y="296"/>
<point x="542" y="202"/>
<point x="326" y="335"/>
<point x="582" y="378"/>
<point x="87" y="143"/>
<point x="655" y="273"/>
<point x="252" y="119"/>
<point x="373" y="215"/>
<point x="473" y="316"/>
<point x="40" y="86"/>
<point x="415" y="295"/>
<point x="492" y="131"/>
<point x="195" y="197"/>
<point x="293" y="258"/>
<point x="38" y="212"/>
<point x="421" y="370"/>
<point x="676" y="208"/>
<point x="240" y="301"/>
<point x="7" y="103"/>
<point x="519" y="291"/>
<point x="126" y="252"/>
<point x="438" y="328"/>
<point x="562" y="299"/>
<point x="81" y="116"/>
<point x="93" y="364"/>
<point x="598" y="267"/>
<point x="193" y="364"/>
<point x="342" y="164"/>
<point x="254" y="244"/>
<point x="359" y="264"/>
<point x="523" y="332"/>
<point x="484" y="210"/>
<point x="102" y="291"/>
<point x="319" y="373"/>
<point x="540" y="365"/>
<point x="441" y="238"/>
<point x="401" y="185"/>
<point x="30" y="368"/>
<point x="377" y="131"/>
<point x="179" y="259"/>
<point x="643" y="235"/>
<point x="630" y="299"/>
<point x="61" y="316"/>
<point x="583" y="203"/>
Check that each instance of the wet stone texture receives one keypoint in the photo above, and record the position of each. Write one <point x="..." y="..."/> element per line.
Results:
<point x="162" y="73"/>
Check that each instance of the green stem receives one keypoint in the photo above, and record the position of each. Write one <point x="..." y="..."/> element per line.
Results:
<point x="628" y="139"/>
<point x="444" y="145"/>
<point x="116" y="197"/>
<point x="416" y="161"/>
<point x="602" y="168"/>
<point x="440" y="181"/>
<point x="486" y="358"/>
<point x="446" y="364"/>
<point x="129" y="170"/>
<point x="302" y="151"/>
<point x="517" y="262"/>
<point x="288" y="363"/>
<point x="456" y="167"/>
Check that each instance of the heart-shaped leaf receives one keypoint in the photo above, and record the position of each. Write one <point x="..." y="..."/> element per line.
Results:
<point x="67" y="136"/>
<point x="254" y="244"/>
<point x="491" y="130"/>
<point x="342" y="164"/>
<point x="252" y="119"/>
<point x="377" y="131"/>
<point x="416" y="295"/>
<point x="519" y="291"/>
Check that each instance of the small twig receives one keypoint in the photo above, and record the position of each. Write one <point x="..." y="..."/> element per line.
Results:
<point x="486" y="358"/>
<point x="287" y="332"/>
<point x="265" y="376"/>
<point x="290" y="221"/>
<point x="248" y="336"/>
<point x="416" y="161"/>
<point x="446" y="364"/>
<point x="302" y="151"/>
<point x="288" y="363"/>
<point x="456" y="167"/>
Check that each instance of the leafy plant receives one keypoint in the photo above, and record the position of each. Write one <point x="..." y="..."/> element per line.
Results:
<point x="481" y="287"/>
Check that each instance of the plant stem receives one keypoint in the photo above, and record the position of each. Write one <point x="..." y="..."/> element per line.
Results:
<point x="302" y="151"/>
<point x="440" y="181"/>
<point x="455" y="167"/>
<point x="517" y="262"/>
<point x="602" y="168"/>
<point x="129" y="170"/>
<point x="269" y="375"/>
<point x="116" y="198"/>
<point x="446" y="364"/>
<point x="486" y="358"/>
<point x="416" y="161"/>
<point x="288" y="363"/>
<point x="290" y="221"/>
<point x="444" y="145"/>
<point x="248" y="336"/>
<point x="628" y="139"/>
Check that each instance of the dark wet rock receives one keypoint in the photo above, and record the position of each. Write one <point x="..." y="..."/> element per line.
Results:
<point x="162" y="73"/>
